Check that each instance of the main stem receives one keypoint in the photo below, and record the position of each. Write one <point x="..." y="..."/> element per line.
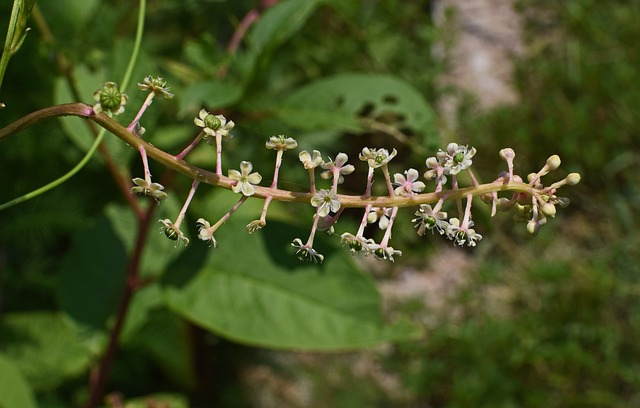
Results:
<point x="99" y="379"/>
<point x="196" y="173"/>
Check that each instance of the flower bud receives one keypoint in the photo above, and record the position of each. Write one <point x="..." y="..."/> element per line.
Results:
<point x="572" y="179"/>
<point x="553" y="162"/>
<point x="549" y="210"/>
<point x="531" y="176"/>
<point x="507" y="154"/>
<point x="533" y="227"/>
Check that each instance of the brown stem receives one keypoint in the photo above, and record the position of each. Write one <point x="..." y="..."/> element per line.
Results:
<point x="196" y="173"/>
<point x="99" y="379"/>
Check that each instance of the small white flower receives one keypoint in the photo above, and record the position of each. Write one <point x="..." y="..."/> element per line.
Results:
<point x="433" y="164"/>
<point x="407" y="183"/>
<point x="457" y="158"/>
<point x="428" y="219"/>
<point x="213" y="125"/>
<point x="245" y="180"/>
<point x="306" y="253"/>
<point x="205" y="232"/>
<point x="173" y="232"/>
<point x="339" y="166"/>
<point x="325" y="201"/>
<point x="459" y="235"/>
<point x="149" y="189"/>
<point x="255" y="225"/>
<point x="384" y="252"/>
<point x="377" y="157"/>
<point x="357" y="244"/>
<point x="156" y="85"/>
<point x="309" y="161"/>
<point x="379" y="215"/>
<point x="281" y="142"/>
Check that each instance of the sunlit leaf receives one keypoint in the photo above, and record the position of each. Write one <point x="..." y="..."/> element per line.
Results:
<point x="254" y="290"/>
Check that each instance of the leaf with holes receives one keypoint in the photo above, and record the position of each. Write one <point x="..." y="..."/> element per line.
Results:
<point x="348" y="101"/>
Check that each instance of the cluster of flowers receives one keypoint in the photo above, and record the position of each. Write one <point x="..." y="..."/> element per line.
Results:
<point x="532" y="202"/>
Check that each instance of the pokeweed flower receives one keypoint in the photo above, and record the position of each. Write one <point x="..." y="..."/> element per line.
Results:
<point x="384" y="252"/>
<point x="255" y="225"/>
<point x="357" y="244"/>
<point x="144" y="187"/>
<point x="435" y="166"/>
<point x="427" y="219"/>
<point x="310" y="161"/>
<point x="461" y="234"/>
<point x="109" y="99"/>
<point x="456" y="158"/>
<point x="376" y="157"/>
<point x="281" y="142"/>
<point x="213" y="125"/>
<point x="245" y="180"/>
<point x="325" y="201"/>
<point x="407" y="184"/>
<point x="306" y="252"/>
<point x="338" y="167"/>
<point x="173" y="232"/>
<point x="157" y="85"/>
<point x="380" y="215"/>
<point x="205" y="232"/>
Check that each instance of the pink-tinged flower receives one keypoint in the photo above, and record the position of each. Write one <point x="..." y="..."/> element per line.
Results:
<point x="408" y="183"/>
<point x="245" y="180"/>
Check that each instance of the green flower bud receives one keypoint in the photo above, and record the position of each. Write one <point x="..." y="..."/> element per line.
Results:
<point x="553" y="162"/>
<point x="573" y="179"/>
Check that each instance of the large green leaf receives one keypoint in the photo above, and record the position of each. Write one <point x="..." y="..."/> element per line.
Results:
<point x="158" y="251"/>
<point x="279" y="23"/>
<point x="340" y="101"/>
<point x="92" y="276"/>
<point x="254" y="290"/>
<point x="14" y="389"/>
<point x="46" y="348"/>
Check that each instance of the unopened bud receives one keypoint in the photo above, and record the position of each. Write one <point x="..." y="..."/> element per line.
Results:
<point x="549" y="210"/>
<point x="533" y="227"/>
<point x="573" y="179"/>
<point x="507" y="154"/>
<point x="504" y="204"/>
<point x="553" y="162"/>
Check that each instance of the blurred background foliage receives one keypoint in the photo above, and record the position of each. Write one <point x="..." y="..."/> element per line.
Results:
<point x="548" y="321"/>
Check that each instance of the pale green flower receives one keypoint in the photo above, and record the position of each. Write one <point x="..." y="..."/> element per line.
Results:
<point x="173" y="232"/>
<point x="306" y="253"/>
<point x="356" y="244"/>
<point x="426" y="218"/>
<point x="157" y="85"/>
<point x="109" y="99"/>
<point x="149" y="189"/>
<point x="384" y="252"/>
<point x="376" y="157"/>
<point x="309" y="161"/>
<point x="213" y="125"/>
<point x="205" y="232"/>
<point x="281" y="142"/>
<point x="245" y="180"/>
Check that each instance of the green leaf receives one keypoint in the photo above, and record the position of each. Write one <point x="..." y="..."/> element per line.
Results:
<point x="92" y="276"/>
<point x="45" y="348"/>
<point x="159" y="251"/>
<point x="340" y="101"/>
<point x="13" y="387"/>
<point x="279" y="23"/>
<point x="212" y="94"/>
<point x="254" y="290"/>
<point x="159" y="400"/>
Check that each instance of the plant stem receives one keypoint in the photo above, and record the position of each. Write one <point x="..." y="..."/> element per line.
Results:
<point x="98" y="381"/>
<point x="197" y="173"/>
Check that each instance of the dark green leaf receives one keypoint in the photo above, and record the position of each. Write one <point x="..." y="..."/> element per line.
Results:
<point x="92" y="276"/>
<point x="46" y="348"/>
<point x="254" y="290"/>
